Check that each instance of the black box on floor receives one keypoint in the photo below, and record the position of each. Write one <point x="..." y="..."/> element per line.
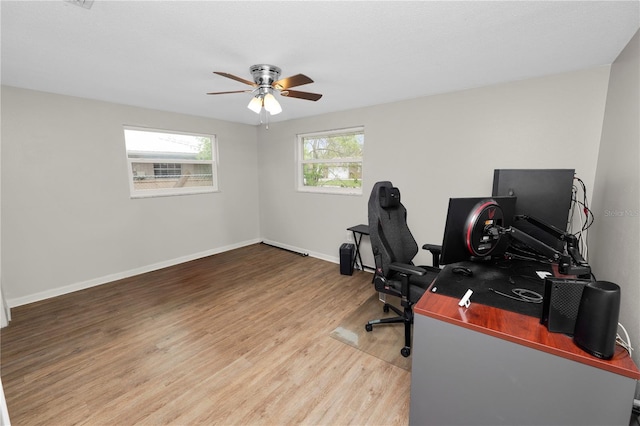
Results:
<point x="347" y="252"/>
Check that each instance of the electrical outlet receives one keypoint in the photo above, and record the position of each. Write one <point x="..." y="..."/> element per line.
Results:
<point x="349" y="237"/>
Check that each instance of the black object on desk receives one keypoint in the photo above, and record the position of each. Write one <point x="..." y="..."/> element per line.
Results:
<point x="561" y="302"/>
<point x="358" y="231"/>
<point x="511" y="285"/>
<point x="597" y="319"/>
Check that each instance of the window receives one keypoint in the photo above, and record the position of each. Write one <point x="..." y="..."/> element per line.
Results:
<point x="168" y="163"/>
<point x="331" y="162"/>
<point x="167" y="170"/>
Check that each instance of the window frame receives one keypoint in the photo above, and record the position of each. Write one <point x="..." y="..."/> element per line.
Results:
<point x="169" y="192"/>
<point x="300" y="162"/>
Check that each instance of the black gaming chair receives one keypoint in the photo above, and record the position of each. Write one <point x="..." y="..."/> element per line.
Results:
<point x="393" y="250"/>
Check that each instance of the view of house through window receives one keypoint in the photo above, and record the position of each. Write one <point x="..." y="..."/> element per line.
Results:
<point x="167" y="163"/>
<point x="331" y="161"/>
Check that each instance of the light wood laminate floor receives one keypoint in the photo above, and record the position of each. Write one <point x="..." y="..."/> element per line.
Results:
<point x="241" y="337"/>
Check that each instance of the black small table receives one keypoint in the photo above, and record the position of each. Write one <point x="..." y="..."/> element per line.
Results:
<point x="358" y="231"/>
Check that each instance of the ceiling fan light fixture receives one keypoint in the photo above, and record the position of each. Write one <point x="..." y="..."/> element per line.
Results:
<point x="266" y="81"/>
<point x="271" y="104"/>
<point x="255" y="104"/>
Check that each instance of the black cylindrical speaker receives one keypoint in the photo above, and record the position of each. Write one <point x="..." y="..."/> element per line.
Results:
<point x="597" y="319"/>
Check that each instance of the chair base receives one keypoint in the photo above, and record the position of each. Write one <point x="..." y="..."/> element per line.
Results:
<point x="404" y="316"/>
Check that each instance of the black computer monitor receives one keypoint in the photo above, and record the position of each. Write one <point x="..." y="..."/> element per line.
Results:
<point x="457" y="244"/>
<point x="544" y="194"/>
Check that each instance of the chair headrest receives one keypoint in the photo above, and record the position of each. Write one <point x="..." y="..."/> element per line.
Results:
<point x="389" y="197"/>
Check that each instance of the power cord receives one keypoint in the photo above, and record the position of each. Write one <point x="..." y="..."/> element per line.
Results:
<point x="585" y="217"/>
<point x="624" y="343"/>
<point x="521" y="294"/>
<point x="635" y="411"/>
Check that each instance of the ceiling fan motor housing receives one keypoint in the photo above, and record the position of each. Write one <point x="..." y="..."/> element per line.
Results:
<point x="266" y="81"/>
<point x="265" y="75"/>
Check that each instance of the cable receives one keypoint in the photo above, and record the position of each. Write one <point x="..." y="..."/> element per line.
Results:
<point x="586" y="217"/>
<point x="585" y="205"/>
<point x="520" y="253"/>
<point x="625" y="344"/>
<point x="523" y="294"/>
<point x="572" y="210"/>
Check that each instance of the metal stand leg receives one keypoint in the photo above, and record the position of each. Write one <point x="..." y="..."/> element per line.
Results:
<point x="357" y="258"/>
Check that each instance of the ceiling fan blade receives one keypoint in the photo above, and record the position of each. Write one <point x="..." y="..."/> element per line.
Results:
<point x="301" y="95"/>
<point x="293" y="81"/>
<point x="236" y="78"/>
<point x="233" y="91"/>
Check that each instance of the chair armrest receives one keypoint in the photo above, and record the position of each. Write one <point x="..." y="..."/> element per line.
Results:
<point x="407" y="269"/>
<point x="435" y="250"/>
<point x="432" y="247"/>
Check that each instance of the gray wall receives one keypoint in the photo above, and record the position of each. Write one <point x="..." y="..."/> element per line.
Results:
<point x="615" y="241"/>
<point x="434" y="148"/>
<point x="67" y="219"/>
<point x="71" y="214"/>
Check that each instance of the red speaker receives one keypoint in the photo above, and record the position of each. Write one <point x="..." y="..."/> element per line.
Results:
<point x="597" y="321"/>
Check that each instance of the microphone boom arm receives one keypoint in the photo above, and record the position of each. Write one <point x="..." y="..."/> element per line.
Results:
<point x="570" y="263"/>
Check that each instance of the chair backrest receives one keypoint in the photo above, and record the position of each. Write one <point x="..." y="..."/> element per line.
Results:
<point x="391" y="239"/>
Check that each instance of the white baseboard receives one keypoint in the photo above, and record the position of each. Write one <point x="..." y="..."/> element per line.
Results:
<point x="24" y="300"/>
<point x="322" y="256"/>
<point x="5" y="311"/>
<point x="19" y="301"/>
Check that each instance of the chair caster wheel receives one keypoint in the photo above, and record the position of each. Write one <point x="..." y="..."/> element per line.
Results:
<point x="385" y="308"/>
<point x="368" y="327"/>
<point x="406" y="351"/>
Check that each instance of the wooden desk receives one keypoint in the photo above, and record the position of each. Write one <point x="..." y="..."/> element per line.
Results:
<point x="483" y="365"/>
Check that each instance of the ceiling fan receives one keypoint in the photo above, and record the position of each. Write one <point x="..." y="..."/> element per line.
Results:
<point x="266" y="82"/>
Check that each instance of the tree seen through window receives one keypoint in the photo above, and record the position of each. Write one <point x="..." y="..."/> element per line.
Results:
<point x="333" y="160"/>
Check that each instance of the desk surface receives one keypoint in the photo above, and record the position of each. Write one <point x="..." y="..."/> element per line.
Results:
<point x="521" y="329"/>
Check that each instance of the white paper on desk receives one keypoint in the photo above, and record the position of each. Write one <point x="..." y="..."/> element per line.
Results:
<point x="543" y="274"/>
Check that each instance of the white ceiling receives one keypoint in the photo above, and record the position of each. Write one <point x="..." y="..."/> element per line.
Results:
<point x="161" y="54"/>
